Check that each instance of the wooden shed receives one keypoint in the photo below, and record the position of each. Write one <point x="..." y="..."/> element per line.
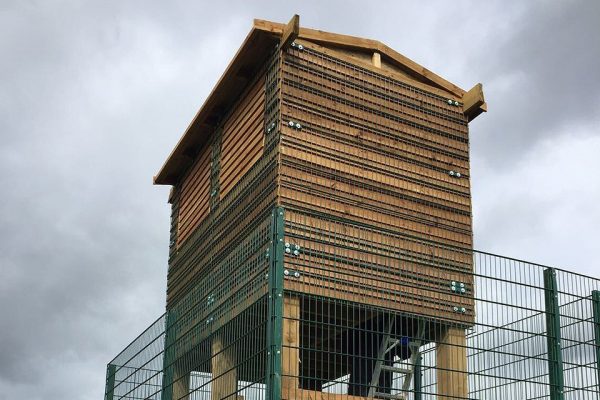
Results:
<point x="366" y="153"/>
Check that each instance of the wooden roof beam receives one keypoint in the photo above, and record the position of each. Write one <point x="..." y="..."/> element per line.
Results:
<point x="370" y="45"/>
<point x="474" y="102"/>
<point x="290" y="32"/>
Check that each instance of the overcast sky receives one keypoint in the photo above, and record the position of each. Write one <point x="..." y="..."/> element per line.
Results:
<point x="94" y="95"/>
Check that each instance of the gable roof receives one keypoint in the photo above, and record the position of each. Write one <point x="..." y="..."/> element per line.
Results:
<point x="256" y="48"/>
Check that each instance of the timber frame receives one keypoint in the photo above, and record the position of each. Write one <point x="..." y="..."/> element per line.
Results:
<point x="254" y="52"/>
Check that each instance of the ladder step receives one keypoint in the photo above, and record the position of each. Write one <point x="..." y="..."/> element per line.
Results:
<point x="397" y="369"/>
<point x="390" y="396"/>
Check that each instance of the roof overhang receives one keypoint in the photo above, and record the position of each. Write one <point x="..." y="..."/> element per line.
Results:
<point x="256" y="48"/>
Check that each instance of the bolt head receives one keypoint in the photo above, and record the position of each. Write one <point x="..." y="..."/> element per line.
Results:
<point x="296" y="252"/>
<point x="451" y="173"/>
<point x="286" y="272"/>
<point x="288" y="250"/>
<point x="297" y="247"/>
<point x="455" y="308"/>
<point x="463" y="290"/>
<point x="458" y="174"/>
<point x="300" y="47"/>
<point x="298" y="126"/>
<point x="291" y="123"/>
<point x="455" y="103"/>
<point x="296" y="274"/>
<point x="287" y="244"/>
<point x="450" y="101"/>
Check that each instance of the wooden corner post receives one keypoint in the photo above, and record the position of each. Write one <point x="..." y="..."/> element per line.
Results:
<point x="451" y="356"/>
<point x="290" y="360"/>
<point x="224" y="372"/>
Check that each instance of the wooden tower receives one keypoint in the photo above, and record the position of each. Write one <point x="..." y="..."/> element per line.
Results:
<point x="345" y="165"/>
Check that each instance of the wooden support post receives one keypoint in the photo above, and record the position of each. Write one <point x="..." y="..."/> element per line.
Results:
<point x="290" y="360"/>
<point x="377" y="59"/>
<point x="451" y="355"/>
<point x="224" y="374"/>
<point x="181" y="383"/>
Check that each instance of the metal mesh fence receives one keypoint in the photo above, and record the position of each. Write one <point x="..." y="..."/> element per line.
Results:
<point x="533" y="331"/>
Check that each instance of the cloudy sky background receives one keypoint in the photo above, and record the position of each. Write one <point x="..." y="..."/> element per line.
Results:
<point x="94" y="95"/>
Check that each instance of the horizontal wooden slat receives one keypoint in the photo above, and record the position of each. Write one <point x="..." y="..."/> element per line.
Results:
<point x="194" y="196"/>
<point x="242" y="139"/>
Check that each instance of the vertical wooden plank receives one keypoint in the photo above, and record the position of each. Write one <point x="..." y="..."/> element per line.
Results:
<point x="181" y="384"/>
<point x="290" y="361"/>
<point x="377" y="60"/>
<point x="451" y="356"/>
<point x="223" y="369"/>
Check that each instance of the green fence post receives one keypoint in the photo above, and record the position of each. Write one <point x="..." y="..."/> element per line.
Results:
<point x="169" y="356"/>
<point x="596" y="308"/>
<point x="418" y="379"/>
<point x="275" y="321"/>
<point x="109" y="392"/>
<point x="555" y="363"/>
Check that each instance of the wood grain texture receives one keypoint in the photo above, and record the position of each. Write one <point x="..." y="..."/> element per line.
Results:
<point x="194" y="196"/>
<point x="242" y="140"/>
<point x="451" y="364"/>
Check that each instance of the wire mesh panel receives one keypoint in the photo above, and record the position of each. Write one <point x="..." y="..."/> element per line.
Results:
<point x="213" y="344"/>
<point x="344" y="349"/>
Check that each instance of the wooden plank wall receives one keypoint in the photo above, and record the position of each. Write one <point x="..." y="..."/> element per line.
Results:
<point x="194" y="196"/>
<point x="374" y="152"/>
<point x="243" y="136"/>
<point x="246" y="176"/>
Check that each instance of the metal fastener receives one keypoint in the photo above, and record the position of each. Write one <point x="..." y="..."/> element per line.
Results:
<point x="451" y="173"/>
<point x="286" y="272"/>
<point x="296" y="274"/>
